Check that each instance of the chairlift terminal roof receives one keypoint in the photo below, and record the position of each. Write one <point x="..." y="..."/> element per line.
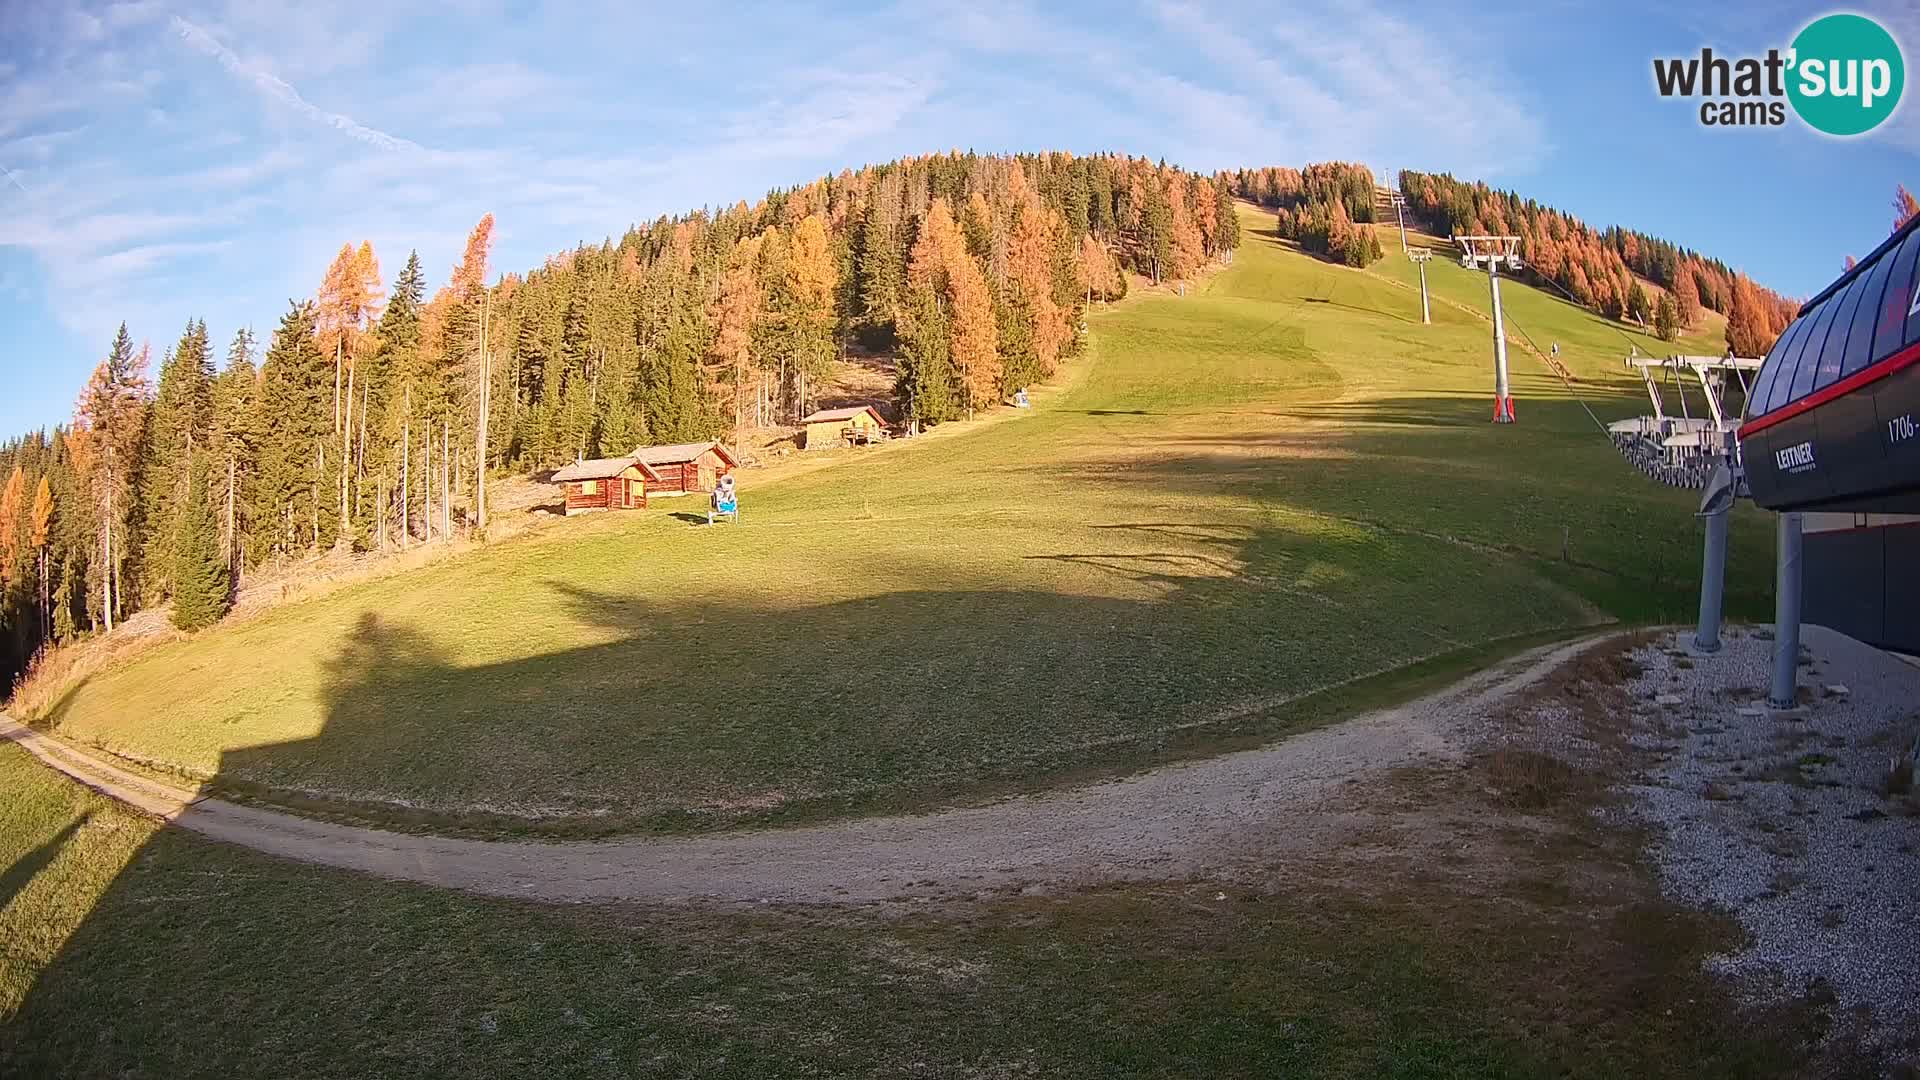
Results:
<point x="1830" y="422"/>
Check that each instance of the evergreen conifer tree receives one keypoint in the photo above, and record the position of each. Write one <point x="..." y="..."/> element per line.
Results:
<point x="179" y="423"/>
<point x="296" y="394"/>
<point x="1666" y="318"/>
<point x="200" y="593"/>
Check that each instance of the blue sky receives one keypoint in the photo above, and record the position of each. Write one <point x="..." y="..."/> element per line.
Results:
<point x="167" y="161"/>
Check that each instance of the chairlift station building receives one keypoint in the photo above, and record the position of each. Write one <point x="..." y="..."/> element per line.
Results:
<point x="1832" y="431"/>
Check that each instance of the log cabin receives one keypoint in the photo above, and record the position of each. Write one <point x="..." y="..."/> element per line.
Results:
<point x="685" y="467"/>
<point x="606" y="484"/>
<point x="840" y="427"/>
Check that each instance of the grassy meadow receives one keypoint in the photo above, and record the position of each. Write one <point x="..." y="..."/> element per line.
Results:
<point x="1236" y="504"/>
<point x="131" y="950"/>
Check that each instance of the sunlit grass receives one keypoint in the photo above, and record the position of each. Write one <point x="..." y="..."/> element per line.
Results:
<point x="1278" y="483"/>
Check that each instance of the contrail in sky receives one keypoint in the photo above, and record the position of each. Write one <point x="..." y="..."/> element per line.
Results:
<point x="280" y="90"/>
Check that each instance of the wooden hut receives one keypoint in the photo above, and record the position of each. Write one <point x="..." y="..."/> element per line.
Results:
<point x="685" y="467"/>
<point x="841" y="427"/>
<point x="606" y="484"/>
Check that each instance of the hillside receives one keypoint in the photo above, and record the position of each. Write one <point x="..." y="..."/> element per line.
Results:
<point x="1237" y="501"/>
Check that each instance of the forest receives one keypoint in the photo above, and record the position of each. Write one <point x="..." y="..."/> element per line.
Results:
<point x="369" y="418"/>
<point x="1597" y="268"/>
<point x="1321" y="207"/>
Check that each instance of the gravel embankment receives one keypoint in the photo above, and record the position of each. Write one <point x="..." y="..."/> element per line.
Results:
<point x="1784" y="819"/>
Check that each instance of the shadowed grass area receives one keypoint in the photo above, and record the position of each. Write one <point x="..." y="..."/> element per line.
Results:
<point x="1460" y="940"/>
<point x="1243" y="496"/>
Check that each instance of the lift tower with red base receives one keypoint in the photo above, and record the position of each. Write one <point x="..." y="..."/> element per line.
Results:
<point x="1492" y="252"/>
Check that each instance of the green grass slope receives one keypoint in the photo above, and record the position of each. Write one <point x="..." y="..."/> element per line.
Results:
<point x="1241" y="497"/>
<point x="132" y="950"/>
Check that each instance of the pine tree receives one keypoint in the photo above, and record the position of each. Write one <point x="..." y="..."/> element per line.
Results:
<point x="400" y="322"/>
<point x="1227" y="236"/>
<point x="397" y="358"/>
<point x="296" y="392"/>
<point x="925" y="382"/>
<point x="1013" y="325"/>
<point x="236" y="442"/>
<point x="1666" y="318"/>
<point x="109" y="425"/>
<point x="180" y="421"/>
<point x="1638" y="306"/>
<point x="576" y="431"/>
<point x="200" y="594"/>
<point x="1156" y="226"/>
<point x="885" y="239"/>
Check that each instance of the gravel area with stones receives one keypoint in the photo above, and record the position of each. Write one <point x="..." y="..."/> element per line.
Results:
<point x="1788" y="820"/>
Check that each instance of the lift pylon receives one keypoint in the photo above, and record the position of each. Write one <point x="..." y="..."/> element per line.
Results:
<point x="1492" y="252"/>
<point x="1420" y="257"/>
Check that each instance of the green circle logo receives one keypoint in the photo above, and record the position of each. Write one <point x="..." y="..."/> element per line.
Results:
<point x="1846" y="75"/>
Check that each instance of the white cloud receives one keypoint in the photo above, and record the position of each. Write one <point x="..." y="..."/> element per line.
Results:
<point x="487" y="94"/>
<point x="153" y="191"/>
<point x="280" y="90"/>
<point x="144" y="257"/>
<point x="1391" y="91"/>
<point x="824" y="111"/>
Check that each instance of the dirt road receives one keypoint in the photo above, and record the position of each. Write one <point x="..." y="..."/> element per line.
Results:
<point x="1251" y="807"/>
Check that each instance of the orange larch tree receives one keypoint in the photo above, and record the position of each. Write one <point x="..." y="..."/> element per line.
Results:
<point x="13" y="527"/>
<point x="1905" y="206"/>
<point x="42" y="534"/>
<point x="811" y="278"/>
<point x="735" y="313"/>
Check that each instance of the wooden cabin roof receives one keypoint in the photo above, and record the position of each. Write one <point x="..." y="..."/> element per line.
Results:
<point x="677" y="453"/>
<point x="826" y="416"/>
<point x="601" y="469"/>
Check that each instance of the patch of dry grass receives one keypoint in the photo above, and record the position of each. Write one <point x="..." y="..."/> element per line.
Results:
<point x="1533" y="780"/>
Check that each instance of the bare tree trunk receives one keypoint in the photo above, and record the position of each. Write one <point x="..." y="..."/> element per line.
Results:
<point x="360" y="459"/>
<point x="346" y="461"/>
<point x="319" y="466"/>
<point x="229" y="544"/>
<point x="406" y="473"/>
<point x="426" y="486"/>
<point x="480" y="439"/>
<point x="446" y="482"/>
<point x="336" y="387"/>
<point x="106" y="538"/>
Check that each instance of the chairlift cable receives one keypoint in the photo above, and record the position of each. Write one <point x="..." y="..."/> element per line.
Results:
<point x="1564" y="381"/>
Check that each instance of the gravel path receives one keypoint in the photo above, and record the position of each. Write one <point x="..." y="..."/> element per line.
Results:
<point x="1250" y="808"/>
<point x="1782" y="819"/>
